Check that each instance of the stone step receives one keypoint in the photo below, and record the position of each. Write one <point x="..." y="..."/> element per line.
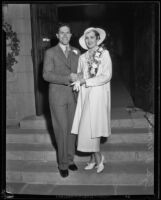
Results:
<point x="120" y="117"/>
<point x="79" y="190"/>
<point x="106" y="147"/>
<point x="18" y="130"/>
<point x="114" y="152"/>
<point x="115" y="173"/>
<point x="31" y="136"/>
<point x="131" y="167"/>
<point x="40" y="123"/>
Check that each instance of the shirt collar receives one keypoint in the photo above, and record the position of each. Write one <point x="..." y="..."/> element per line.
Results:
<point x="63" y="47"/>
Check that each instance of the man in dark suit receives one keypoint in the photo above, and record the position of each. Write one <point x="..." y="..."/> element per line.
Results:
<point x="60" y="67"/>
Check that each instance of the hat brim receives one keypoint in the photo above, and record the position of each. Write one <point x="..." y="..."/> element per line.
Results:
<point x="101" y="32"/>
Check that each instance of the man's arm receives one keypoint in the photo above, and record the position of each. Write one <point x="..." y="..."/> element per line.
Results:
<point x="51" y="76"/>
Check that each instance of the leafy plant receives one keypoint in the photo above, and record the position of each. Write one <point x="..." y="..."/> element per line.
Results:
<point x="12" y="46"/>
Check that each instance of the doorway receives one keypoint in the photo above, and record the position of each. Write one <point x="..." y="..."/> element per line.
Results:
<point x="118" y="24"/>
<point x="43" y="23"/>
<point x="120" y="21"/>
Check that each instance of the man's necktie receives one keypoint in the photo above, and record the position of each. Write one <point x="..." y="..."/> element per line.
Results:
<point x="66" y="52"/>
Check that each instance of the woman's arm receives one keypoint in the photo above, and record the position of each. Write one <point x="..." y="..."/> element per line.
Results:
<point x="105" y="73"/>
<point x="80" y="69"/>
<point x="80" y="80"/>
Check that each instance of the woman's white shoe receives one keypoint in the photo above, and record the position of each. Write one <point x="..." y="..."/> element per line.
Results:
<point x="90" y="166"/>
<point x="100" y="167"/>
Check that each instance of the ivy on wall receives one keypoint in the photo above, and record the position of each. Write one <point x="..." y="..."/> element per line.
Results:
<point x="12" y="46"/>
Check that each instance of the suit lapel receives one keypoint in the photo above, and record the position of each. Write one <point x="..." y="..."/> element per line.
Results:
<point x="72" y="59"/>
<point x="62" y="56"/>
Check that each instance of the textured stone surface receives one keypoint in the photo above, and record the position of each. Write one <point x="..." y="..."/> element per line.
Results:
<point x="19" y="11"/>
<point x="23" y="83"/>
<point x="22" y="25"/>
<point x="86" y="178"/>
<point x="42" y="136"/>
<point x="12" y="107"/>
<point x="82" y="190"/>
<point x="25" y="43"/>
<point x="31" y="165"/>
<point x="120" y="118"/>
<point x="20" y="86"/>
<point x="24" y="64"/>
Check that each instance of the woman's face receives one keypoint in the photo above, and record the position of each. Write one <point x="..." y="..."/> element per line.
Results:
<point x="91" y="39"/>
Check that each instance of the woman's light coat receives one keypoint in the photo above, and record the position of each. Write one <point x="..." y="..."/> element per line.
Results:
<point x="94" y="99"/>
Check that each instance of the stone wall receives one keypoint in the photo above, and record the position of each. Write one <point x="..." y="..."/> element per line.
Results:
<point x="20" y="100"/>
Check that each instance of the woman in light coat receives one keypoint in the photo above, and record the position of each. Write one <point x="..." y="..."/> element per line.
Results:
<point x="92" y="116"/>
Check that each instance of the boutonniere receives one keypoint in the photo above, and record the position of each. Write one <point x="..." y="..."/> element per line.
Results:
<point x="75" y="51"/>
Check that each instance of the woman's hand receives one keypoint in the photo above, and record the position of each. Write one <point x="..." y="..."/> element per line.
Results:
<point x="80" y="76"/>
<point x="76" y="85"/>
<point x="82" y="81"/>
<point x="73" y="77"/>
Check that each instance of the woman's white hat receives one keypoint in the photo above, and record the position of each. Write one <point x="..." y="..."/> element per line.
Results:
<point x="101" y="32"/>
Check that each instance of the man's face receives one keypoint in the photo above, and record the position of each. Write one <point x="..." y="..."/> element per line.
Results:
<point x="64" y="35"/>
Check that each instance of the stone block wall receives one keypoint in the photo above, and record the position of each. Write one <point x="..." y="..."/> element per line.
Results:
<point x="20" y="99"/>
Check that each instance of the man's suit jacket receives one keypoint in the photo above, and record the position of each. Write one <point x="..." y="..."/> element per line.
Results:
<point x="56" y="71"/>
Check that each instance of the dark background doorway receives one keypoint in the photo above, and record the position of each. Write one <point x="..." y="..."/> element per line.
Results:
<point x="130" y="40"/>
<point x="118" y="22"/>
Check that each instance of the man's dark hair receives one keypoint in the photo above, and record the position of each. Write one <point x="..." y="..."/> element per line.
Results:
<point x="63" y="24"/>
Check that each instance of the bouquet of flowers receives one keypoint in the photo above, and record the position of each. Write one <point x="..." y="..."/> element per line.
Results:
<point x="94" y="62"/>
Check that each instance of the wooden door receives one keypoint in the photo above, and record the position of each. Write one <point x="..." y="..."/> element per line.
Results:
<point x="43" y="25"/>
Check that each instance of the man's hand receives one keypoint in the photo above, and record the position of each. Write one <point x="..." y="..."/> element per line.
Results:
<point x="76" y="77"/>
<point x="73" y="77"/>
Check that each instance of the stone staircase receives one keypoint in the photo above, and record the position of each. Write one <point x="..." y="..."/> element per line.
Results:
<point x="31" y="166"/>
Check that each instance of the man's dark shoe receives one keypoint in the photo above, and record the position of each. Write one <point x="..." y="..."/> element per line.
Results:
<point x="73" y="167"/>
<point x="64" y="172"/>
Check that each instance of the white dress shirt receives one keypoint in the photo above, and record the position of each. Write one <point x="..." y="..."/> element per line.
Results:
<point x="63" y="47"/>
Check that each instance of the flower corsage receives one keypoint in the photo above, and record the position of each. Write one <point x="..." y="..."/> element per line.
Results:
<point x="94" y="62"/>
<point x="75" y="51"/>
